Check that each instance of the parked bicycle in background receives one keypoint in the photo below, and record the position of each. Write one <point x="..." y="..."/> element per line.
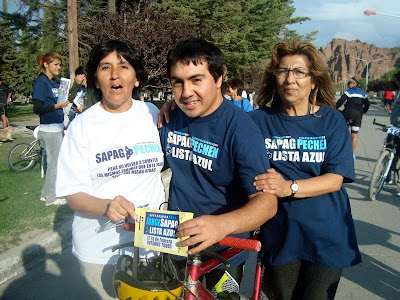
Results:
<point x="386" y="169"/>
<point x="23" y="156"/>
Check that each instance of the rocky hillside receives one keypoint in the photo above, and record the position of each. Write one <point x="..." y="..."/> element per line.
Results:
<point x="341" y="67"/>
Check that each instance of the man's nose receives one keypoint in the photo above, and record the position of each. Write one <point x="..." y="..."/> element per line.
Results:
<point x="187" y="90"/>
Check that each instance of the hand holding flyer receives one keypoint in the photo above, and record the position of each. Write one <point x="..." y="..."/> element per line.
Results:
<point x="156" y="230"/>
<point x="63" y="89"/>
<point x="79" y="98"/>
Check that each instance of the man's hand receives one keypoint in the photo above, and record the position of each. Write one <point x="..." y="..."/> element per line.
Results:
<point x="119" y="208"/>
<point x="273" y="183"/>
<point x="204" y="232"/>
<point x="164" y="112"/>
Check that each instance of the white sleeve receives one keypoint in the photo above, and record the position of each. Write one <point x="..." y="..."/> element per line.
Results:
<point x="73" y="173"/>
<point x="153" y="110"/>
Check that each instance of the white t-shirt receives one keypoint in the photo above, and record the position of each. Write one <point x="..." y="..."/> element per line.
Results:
<point x="108" y="154"/>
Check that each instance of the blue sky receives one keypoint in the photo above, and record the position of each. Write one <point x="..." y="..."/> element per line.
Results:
<point x="346" y="20"/>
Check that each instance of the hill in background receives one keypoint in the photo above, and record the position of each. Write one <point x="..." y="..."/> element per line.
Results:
<point x="342" y="67"/>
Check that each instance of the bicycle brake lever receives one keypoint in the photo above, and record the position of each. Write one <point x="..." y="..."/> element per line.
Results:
<point x="213" y="254"/>
<point x="122" y="246"/>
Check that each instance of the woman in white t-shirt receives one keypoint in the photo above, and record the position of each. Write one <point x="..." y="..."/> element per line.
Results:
<point x="110" y="161"/>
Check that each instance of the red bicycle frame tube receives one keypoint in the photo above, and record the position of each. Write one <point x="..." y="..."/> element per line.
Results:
<point x="196" y="270"/>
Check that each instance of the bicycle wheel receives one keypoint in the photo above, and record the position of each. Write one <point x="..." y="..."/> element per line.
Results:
<point x="21" y="157"/>
<point x="378" y="175"/>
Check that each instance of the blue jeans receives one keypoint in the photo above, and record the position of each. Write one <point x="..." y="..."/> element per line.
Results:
<point x="300" y="279"/>
<point x="52" y="141"/>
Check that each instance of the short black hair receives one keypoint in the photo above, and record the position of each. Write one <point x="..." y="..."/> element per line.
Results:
<point x="80" y="70"/>
<point x="124" y="49"/>
<point x="196" y="50"/>
<point x="236" y="84"/>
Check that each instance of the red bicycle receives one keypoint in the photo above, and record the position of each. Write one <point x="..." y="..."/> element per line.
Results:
<point x="160" y="279"/>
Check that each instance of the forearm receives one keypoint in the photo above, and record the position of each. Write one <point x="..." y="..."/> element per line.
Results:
<point x="207" y="230"/>
<point x="316" y="186"/>
<point x="39" y="108"/>
<point x="259" y="209"/>
<point x="340" y="102"/>
<point x="87" y="204"/>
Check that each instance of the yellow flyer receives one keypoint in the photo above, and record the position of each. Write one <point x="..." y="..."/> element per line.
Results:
<point x="156" y="229"/>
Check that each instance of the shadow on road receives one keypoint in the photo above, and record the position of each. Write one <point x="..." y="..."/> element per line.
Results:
<point x="52" y="276"/>
<point x="372" y="274"/>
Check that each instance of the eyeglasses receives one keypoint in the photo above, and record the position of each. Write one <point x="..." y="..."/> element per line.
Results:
<point x="297" y="73"/>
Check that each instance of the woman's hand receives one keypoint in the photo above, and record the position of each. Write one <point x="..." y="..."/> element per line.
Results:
<point x="120" y="208"/>
<point x="273" y="183"/>
<point x="61" y="104"/>
<point x="164" y="112"/>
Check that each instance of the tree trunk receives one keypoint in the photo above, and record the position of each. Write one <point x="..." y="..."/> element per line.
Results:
<point x="72" y="37"/>
<point x="111" y="6"/>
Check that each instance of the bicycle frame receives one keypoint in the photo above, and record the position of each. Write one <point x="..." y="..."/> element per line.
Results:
<point x="30" y="153"/>
<point x="387" y="161"/>
<point x="197" y="269"/>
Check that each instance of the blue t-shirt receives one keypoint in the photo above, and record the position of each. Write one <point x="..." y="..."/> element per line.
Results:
<point x="46" y="90"/>
<point x="243" y="104"/>
<point x="317" y="229"/>
<point x="213" y="159"/>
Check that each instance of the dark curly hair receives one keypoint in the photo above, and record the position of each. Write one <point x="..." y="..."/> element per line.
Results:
<point x="196" y="50"/>
<point x="123" y="49"/>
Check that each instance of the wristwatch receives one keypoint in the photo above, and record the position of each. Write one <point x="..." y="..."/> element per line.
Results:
<point x="294" y="187"/>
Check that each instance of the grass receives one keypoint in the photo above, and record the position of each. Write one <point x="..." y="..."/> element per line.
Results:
<point x="21" y="112"/>
<point x="22" y="214"/>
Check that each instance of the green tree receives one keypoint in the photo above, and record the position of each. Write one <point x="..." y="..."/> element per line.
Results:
<point x="151" y="32"/>
<point x="9" y="68"/>
<point x="245" y="30"/>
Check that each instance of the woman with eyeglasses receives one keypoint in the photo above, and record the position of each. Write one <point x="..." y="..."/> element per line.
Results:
<point x="312" y="237"/>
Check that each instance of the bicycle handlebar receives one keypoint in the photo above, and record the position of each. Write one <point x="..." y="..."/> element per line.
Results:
<point x="251" y="244"/>
<point x="375" y="123"/>
<point x="245" y="244"/>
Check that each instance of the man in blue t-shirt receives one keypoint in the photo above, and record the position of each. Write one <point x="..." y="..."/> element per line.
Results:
<point x="214" y="151"/>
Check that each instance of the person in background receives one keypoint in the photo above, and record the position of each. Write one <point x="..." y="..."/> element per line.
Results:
<point x="214" y="151"/>
<point x="44" y="95"/>
<point x="355" y="105"/>
<point x="80" y="93"/>
<point x="388" y="100"/>
<point x="395" y="115"/>
<point x="5" y="96"/>
<point x="234" y="90"/>
<point x="312" y="238"/>
<point x="102" y="166"/>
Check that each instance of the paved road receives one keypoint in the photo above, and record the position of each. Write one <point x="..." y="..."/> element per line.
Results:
<point x="377" y="225"/>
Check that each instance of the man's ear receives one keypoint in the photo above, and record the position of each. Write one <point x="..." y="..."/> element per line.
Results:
<point x="137" y="83"/>
<point x="219" y="82"/>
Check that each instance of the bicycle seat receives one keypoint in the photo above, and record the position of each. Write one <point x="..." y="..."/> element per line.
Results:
<point x="31" y="127"/>
<point x="36" y="132"/>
